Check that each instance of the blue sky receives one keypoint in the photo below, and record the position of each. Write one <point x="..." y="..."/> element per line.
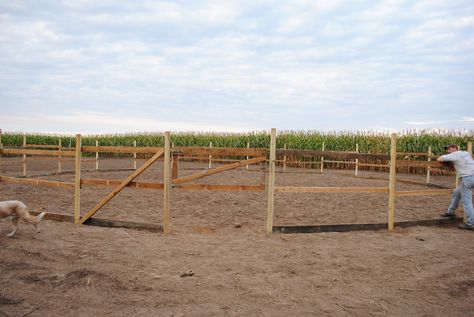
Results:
<point x="129" y="66"/>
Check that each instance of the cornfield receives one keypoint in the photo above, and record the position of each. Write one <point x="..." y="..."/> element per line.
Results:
<point x="408" y="141"/>
<point x="367" y="142"/>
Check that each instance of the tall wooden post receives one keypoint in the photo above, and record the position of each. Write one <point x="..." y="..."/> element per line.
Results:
<point x="77" y="180"/>
<point x="210" y="156"/>
<point x="167" y="184"/>
<point x="24" y="156"/>
<point x="59" y="157"/>
<point x="357" y="161"/>
<point x="271" y="182"/>
<point x="248" y="147"/>
<point x="96" y="157"/>
<point x="284" y="160"/>
<point x="391" y="185"/>
<point x="322" y="160"/>
<point x="135" y="155"/>
<point x="428" y="169"/>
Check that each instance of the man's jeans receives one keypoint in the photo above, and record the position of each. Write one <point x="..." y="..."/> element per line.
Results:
<point x="464" y="193"/>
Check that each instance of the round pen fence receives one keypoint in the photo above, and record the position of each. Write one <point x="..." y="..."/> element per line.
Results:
<point x="225" y="159"/>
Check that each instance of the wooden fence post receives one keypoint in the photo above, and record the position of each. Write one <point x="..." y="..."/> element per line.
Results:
<point x="59" y="157"/>
<point x="392" y="184"/>
<point x="271" y="182"/>
<point x="210" y="156"/>
<point x="77" y="180"/>
<point x="135" y="156"/>
<point x="284" y="160"/>
<point x="167" y="184"/>
<point x="248" y="147"/>
<point x="428" y="169"/>
<point x="322" y="160"/>
<point x="24" y="156"/>
<point x="357" y="161"/>
<point x="96" y="157"/>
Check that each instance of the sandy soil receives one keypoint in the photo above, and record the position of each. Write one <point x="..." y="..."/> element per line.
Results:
<point x="219" y="262"/>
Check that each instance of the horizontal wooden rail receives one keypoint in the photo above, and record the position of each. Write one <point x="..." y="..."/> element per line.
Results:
<point x="281" y="189"/>
<point x="257" y="188"/>
<point x="424" y="192"/>
<point x="220" y="151"/>
<point x="218" y="170"/>
<point x="373" y="165"/>
<point x="332" y="154"/>
<point x="36" y="152"/>
<point x="116" y="182"/>
<point x="42" y="146"/>
<point x="35" y="182"/>
<point x="146" y="185"/>
<point x="413" y="153"/>
<point x="120" y="149"/>
<point x="403" y="163"/>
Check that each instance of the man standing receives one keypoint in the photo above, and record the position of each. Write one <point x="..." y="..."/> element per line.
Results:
<point x="464" y="165"/>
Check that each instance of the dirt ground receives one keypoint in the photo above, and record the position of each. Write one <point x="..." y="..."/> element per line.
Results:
<point x="218" y="261"/>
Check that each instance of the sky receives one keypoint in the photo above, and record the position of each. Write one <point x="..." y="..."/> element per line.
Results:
<point x="84" y="66"/>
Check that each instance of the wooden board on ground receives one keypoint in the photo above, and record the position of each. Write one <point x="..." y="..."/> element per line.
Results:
<point x="362" y="226"/>
<point x="100" y="222"/>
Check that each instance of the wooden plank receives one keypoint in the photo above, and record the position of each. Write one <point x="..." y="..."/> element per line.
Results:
<point x="122" y="185"/>
<point x="413" y="153"/>
<point x="271" y="181"/>
<point x="221" y="151"/>
<point x="120" y="149"/>
<point x="24" y="156"/>
<point x="175" y="165"/>
<point x="37" y="152"/>
<point x="145" y="185"/>
<point x="77" y="180"/>
<point x="392" y="181"/>
<point x="100" y="222"/>
<point x="356" y="170"/>
<point x="167" y="185"/>
<point x="280" y="189"/>
<point x="59" y="158"/>
<point x="322" y="160"/>
<point x="257" y="188"/>
<point x="403" y="163"/>
<point x="42" y="146"/>
<point x="218" y="170"/>
<point x="373" y="165"/>
<point x="134" y="155"/>
<point x="332" y="154"/>
<point x="424" y="192"/>
<point x="363" y="226"/>
<point x="116" y="182"/>
<point x="428" y="169"/>
<point x="35" y="182"/>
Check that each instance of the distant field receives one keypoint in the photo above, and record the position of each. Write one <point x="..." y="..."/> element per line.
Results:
<point x="408" y="141"/>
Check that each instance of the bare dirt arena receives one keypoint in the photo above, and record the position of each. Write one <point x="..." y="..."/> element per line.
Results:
<point x="218" y="260"/>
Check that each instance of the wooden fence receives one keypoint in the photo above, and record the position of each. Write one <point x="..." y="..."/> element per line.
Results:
<point x="171" y="180"/>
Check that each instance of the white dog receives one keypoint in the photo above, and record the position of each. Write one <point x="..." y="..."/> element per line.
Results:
<point x="16" y="210"/>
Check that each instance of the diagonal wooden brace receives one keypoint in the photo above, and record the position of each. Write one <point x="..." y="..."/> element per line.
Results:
<point x="122" y="186"/>
<point x="218" y="170"/>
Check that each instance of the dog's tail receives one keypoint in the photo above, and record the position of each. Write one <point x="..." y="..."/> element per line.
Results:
<point x="40" y="216"/>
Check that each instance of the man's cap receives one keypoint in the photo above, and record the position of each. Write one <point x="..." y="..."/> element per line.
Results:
<point x="450" y="146"/>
